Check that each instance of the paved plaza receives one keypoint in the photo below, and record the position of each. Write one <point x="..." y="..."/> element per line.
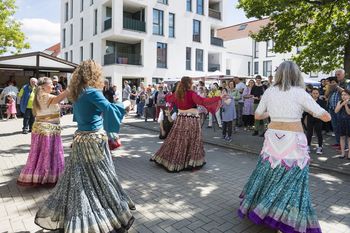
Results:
<point x="200" y="202"/>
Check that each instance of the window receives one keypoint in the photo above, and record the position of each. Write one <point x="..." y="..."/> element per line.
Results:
<point x="200" y="7"/>
<point x="188" y="58"/>
<point x="66" y="12"/>
<point x="161" y="55"/>
<point x="267" y="69"/>
<point x="91" y="2"/>
<point x="163" y="1"/>
<point x="171" y="25"/>
<point x="92" y="51"/>
<point x="71" y="9"/>
<point x="81" y="28"/>
<point x="269" y="48"/>
<point x="249" y="71"/>
<point x="196" y="30"/>
<point x="228" y="72"/>
<point x="71" y="34"/>
<point x="95" y="22"/>
<point x="199" y="59"/>
<point x="256" y="67"/>
<point x="64" y="38"/>
<point x="108" y="19"/>
<point x="157" y="80"/>
<point x="66" y="56"/>
<point x="157" y="22"/>
<point x="81" y="5"/>
<point x="81" y="54"/>
<point x="189" y="5"/>
<point x="299" y="50"/>
<point x="256" y="49"/>
<point x="242" y="27"/>
<point x="71" y="56"/>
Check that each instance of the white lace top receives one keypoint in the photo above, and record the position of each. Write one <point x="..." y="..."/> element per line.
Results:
<point x="288" y="106"/>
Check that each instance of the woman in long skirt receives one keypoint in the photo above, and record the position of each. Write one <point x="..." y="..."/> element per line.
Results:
<point x="45" y="162"/>
<point x="277" y="193"/>
<point x="183" y="148"/>
<point x="89" y="197"/>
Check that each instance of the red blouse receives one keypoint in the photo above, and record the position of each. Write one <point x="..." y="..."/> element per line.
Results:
<point x="192" y="99"/>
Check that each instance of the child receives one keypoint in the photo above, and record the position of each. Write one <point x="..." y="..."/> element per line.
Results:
<point x="166" y="120"/>
<point x="228" y="115"/>
<point x="11" y="107"/>
<point x="343" y="117"/>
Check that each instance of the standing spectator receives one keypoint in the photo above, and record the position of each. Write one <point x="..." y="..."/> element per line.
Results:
<point x="343" y="125"/>
<point x="340" y="74"/>
<point x="116" y="96"/>
<point x="11" y="107"/>
<point x="108" y="91"/>
<point x="202" y="111"/>
<point x="248" y="108"/>
<point x="11" y="89"/>
<point x="334" y="98"/>
<point x="133" y="96"/>
<point x="126" y="91"/>
<point x="240" y="86"/>
<point x="228" y="115"/>
<point x="26" y="96"/>
<point x="159" y="100"/>
<point x="140" y="101"/>
<point x="257" y="91"/>
<point x="214" y="92"/>
<point x="270" y="81"/>
<point x="150" y="110"/>
<point x="315" y="124"/>
<point x="57" y="87"/>
<point x="63" y="82"/>
<point x="236" y="95"/>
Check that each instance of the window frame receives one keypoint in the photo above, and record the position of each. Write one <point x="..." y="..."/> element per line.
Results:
<point x="172" y="27"/>
<point x="160" y="55"/>
<point x="188" y="59"/>
<point x="199" y="65"/>
<point x="160" y="23"/>
<point x="194" y="32"/>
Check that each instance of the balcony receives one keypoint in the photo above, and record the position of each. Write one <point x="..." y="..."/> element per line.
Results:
<point x="122" y="58"/>
<point x="107" y="24"/>
<point x="213" y="67"/>
<point x="214" y="14"/>
<point x="217" y="41"/>
<point x="133" y="24"/>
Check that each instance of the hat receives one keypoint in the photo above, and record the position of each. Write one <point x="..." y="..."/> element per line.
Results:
<point x="55" y="78"/>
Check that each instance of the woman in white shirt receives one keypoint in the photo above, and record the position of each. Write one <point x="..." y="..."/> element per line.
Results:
<point x="277" y="193"/>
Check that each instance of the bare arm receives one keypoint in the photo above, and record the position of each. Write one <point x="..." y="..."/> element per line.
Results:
<point x="263" y="116"/>
<point x="347" y="109"/>
<point x="60" y="97"/>
<point x="338" y="107"/>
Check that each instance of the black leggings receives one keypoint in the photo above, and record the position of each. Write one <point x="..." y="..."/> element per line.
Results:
<point x="314" y="124"/>
<point x="227" y="127"/>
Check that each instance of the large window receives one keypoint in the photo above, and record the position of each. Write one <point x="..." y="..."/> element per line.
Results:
<point x="199" y="59"/>
<point x="256" y="49"/>
<point x="71" y="34"/>
<point x="171" y="25"/>
<point x="158" y="19"/>
<point x="92" y="51"/>
<point x="256" y="67"/>
<point x="249" y="69"/>
<point x="81" y="28"/>
<point x="161" y="55"/>
<point x="66" y="10"/>
<point x="200" y="7"/>
<point x="196" y="30"/>
<point x="81" y="54"/>
<point x="189" y="5"/>
<point x="71" y="9"/>
<point x="269" y="48"/>
<point x="64" y="38"/>
<point x="188" y="58"/>
<point x="267" y="69"/>
<point x="95" y="22"/>
<point x="163" y="1"/>
<point x="81" y="5"/>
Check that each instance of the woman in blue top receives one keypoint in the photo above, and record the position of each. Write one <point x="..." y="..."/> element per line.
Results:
<point x="89" y="197"/>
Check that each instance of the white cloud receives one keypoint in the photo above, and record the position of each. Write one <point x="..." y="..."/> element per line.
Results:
<point x="40" y="33"/>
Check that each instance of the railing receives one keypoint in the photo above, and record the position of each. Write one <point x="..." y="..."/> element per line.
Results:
<point x="217" y="41"/>
<point x="122" y="58"/>
<point x="197" y="38"/>
<point x="107" y="24"/>
<point x="214" y="14"/>
<point x="213" y="67"/>
<point x="134" y="24"/>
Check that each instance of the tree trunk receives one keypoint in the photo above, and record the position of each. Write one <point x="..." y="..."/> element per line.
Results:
<point x="347" y="59"/>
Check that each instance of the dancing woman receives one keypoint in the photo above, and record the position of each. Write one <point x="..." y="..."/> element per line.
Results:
<point x="89" y="197"/>
<point x="46" y="160"/>
<point x="277" y="193"/>
<point x="183" y="148"/>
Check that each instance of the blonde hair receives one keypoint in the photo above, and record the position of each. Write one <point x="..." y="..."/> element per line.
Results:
<point x="288" y="75"/>
<point x="36" y="103"/>
<point x="87" y="74"/>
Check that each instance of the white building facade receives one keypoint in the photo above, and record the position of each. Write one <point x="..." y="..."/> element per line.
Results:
<point x="144" y="40"/>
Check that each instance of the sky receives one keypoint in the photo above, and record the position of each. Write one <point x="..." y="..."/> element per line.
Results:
<point x="41" y="21"/>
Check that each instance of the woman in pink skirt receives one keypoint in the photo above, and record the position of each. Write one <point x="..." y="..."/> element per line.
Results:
<point x="46" y="161"/>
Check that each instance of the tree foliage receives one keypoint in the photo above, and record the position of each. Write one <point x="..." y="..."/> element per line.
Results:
<point x="12" y="39"/>
<point x="320" y="27"/>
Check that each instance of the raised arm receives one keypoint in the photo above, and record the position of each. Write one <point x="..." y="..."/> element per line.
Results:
<point x="312" y="107"/>
<point x="261" y="111"/>
<point x="211" y="104"/>
<point x="60" y="97"/>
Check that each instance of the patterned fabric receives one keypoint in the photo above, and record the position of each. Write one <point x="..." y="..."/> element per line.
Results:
<point x="45" y="162"/>
<point x="333" y="100"/>
<point x="183" y="148"/>
<point x="248" y="107"/>
<point x="343" y="124"/>
<point x="88" y="197"/>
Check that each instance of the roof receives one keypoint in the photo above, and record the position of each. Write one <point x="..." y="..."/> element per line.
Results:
<point x="36" y="61"/>
<point x="242" y="30"/>
<point x="54" y="50"/>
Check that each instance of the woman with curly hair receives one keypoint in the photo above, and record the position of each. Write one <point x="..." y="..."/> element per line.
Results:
<point x="89" y="197"/>
<point x="183" y="148"/>
<point x="45" y="161"/>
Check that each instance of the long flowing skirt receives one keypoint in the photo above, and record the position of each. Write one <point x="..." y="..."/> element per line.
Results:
<point x="183" y="148"/>
<point x="277" y="192"/>
<point x="88" y="197"/>
<point x="45" y="162"/>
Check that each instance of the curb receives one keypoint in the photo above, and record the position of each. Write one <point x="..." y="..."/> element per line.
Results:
<point x="247" y="150"/>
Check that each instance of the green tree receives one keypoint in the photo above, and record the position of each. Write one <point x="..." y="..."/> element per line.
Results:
<point x="12" y="39"/>
<point x="320" y="27"/>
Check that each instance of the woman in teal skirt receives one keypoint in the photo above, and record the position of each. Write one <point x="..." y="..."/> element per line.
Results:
<point x="89" y="197"/>
<point x="277" y="192"/>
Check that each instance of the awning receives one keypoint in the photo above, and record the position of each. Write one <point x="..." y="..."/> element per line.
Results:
<point x="36" y="62"/>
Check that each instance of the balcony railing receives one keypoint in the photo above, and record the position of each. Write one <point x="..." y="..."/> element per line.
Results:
<point x="213" y="67"/>
<point x="214" y="14"/>
<point x="217" y="41"/>
<point x="134" y="24"/>
<point x="107" y="24"/>
<point x="197" y="38"/>
<point x="122" y="58"/>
